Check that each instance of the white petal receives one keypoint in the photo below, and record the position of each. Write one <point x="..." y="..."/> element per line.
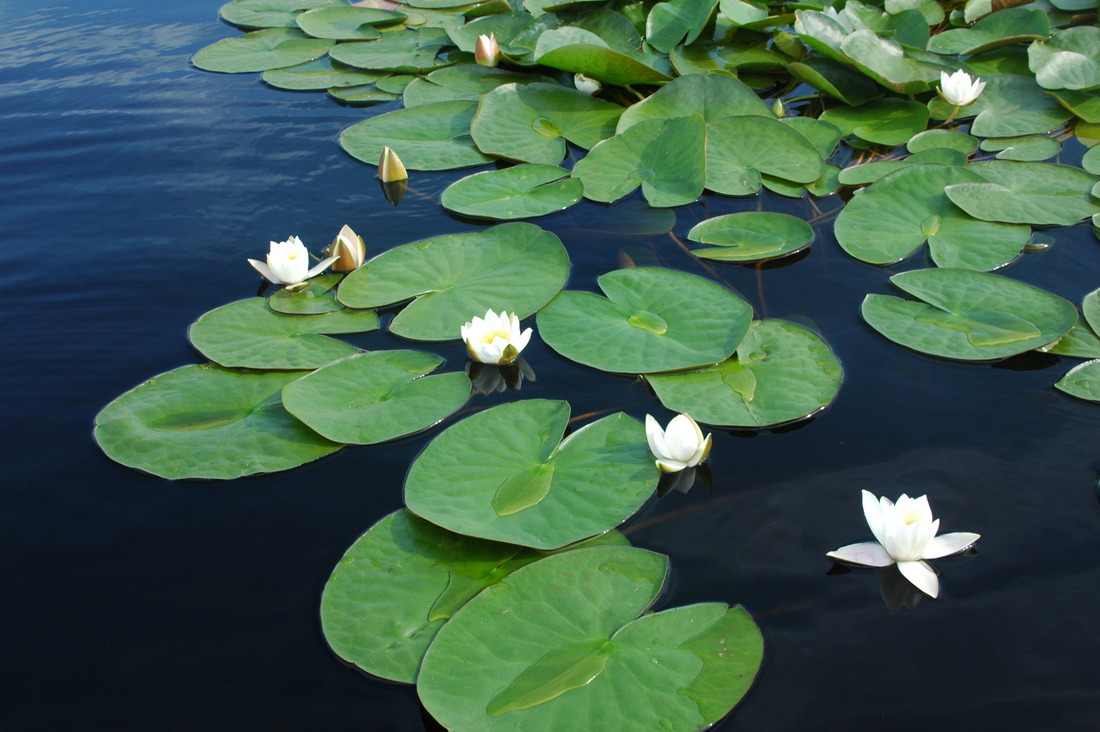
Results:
<point x="872" y="511"/>
<point x="683" y="437"/>
<point x="655" y="436"/>
<point x="923" y="577"/>
<point x="264" y="270"/>
<point x="320" y="267"/>
<point x="667" y="465"/>
<point x="948" y="544"/>
<point x="521" y="342"/>
<point x="869" y="553"/>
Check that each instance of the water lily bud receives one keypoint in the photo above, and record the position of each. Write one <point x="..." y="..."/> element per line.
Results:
<point x="390" y="167"/>
<point x="959" y="89"/>
<point x="586" y="84"/>
<point x="487" y="52"/>
<point x="779" y="108"/>
<point x="681" y="445"/>
<point x="288" y="264"/>
<point x="349" y="250"/>
<point x="495" y="338"/>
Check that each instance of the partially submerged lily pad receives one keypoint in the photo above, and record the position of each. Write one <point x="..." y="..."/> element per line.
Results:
<point x="317" y="297"/>
<point x="428" y="137"/>
<point x="274" y="48"/>
<point x="269" y="13"/>
<point x="519" y="192"/>
<point x="501" y="474"/>
<point x="1082" y="381"/>
<point x="208" y="422"/>
<point x="750" y="236"/>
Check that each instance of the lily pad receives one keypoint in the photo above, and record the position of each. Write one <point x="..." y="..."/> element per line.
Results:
<point x="531" y="122"/>
<point x="208" y="422"/>
<point x="1069" y="60"/>
<point x="966" y="315"/>
<point x="781" y="372"/>
<point x="576" y="50"/>
<point x="838" y="80"/>
<point x="1030" y="148"/>
<point x="1002" y="28"/>
<point x="515" y="267"/>
<point x="896" y="67"/>
<point x="428" y="137"/>
<point x="674" y="22"/>
<point x="402" y="580"/>
<point x="652" y="319"/>
<point x="316" y="298"/>
<point x="322" y="73"/>
<point x="378" y="396"/>
<point x="1080" y="342"/>
<point x="1082" y="381"/>
<point x="269" y="13"/>
<point x="949" y="139"/>
<point x="867" y="173"/>
<point x="501" y="474"/>
<point x="1010" y="106"/>
<point x="751" y="236"/>
<point x="518" y="192"/>
<point x="406" y="51"/>
<point x="882" y="121"/>
<point x="1027" y="193"/>
<point x="894" y="216"/>
<point x="710" y="96"/>
<point x="742" y="149"/>
<point x="261" y="50"/>
<point x="248" y="334"/>
<point x="465" y="82"/>
<point x="573" y="650"/>
<point x="347" y="23"/>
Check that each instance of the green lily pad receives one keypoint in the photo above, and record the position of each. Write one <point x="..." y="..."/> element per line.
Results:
<point x="896" y="67"/>
<point x="838" y="80"/>
<point x="322" y="73"/>
<point x="742" y="149"/>
<point x="532" y="122"/>
<point x="1002" y="28"/>
<point x="1082" y="381"/>
<point x="1027" y="193"/>
<point x="882" y="121"/>
<point x="823" y="135"/>
<point x="515" y="267"/>
<point x="710" y="96"/>
<point x="1085" y="105"/>
<point x="501" y="474"/>
<point x="378" y="396"/>
<point x="1080" y="342"/>
<point x="402" y="580"/>
<point x="1090" y="161"/>
<point x="867" y="173"/>
<point x="750" y="236"/>
<point x="269" y="13"/>
<point x="428" y="137"/>
<point x="652" y="319"/>
<point x="1010" y="106"/>
<point x="899" y="212"/>
<point x="407" y="51"/>
<point x="576" y="50"/>
<point x="674" y="22"/>
<point x="1030" y="148"/>
<point x="465" y="82"/>
<point x="781" y="372"/>
<point x="261" y="50"/>
<point x="347" y="23"/>
<point x="950" y="139"/>
<point x="966" y="315"/>
<point x="1069" y="60"/>
<point x="316" y="298"/>
<point x="518" y="192"/>
<point x="208" y="422"/>
<point x="574" y="649"/>
<point x="361" y="95"/>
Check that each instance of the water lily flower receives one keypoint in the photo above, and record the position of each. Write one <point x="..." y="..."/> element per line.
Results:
<point x="390" y="167"/>
<point x="586" y="84"/>
<point x="288" y="264"/>
<point x="495" y="338"/>
<point x="959" y="89"/>
<point x="349" y="250"/>
<point x="906" y="534"/>
<point x="680" y="445"/>
<point x="487" y="51"/>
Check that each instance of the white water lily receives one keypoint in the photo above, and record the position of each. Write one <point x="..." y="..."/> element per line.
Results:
<point x="680" y="445"/>
<point x="906" y="534"/>
<point x="349" y="250"/>
<point x="288" y="263"/>
<point x="487" y="50"/>
<point x="586" y="84"/>
<point x="959" y="89"/>
<point x="495" y="338"/>
<point x="390" y="167"/>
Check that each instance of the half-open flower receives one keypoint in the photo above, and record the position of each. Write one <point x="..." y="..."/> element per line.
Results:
<point x="288" y="264"/>
<point x="349" y="250"/>
<point x="959" y="89"/>
<point x="680" y="445"/>
<point x="906" y="534"/>
<point x="390" y="167"/>
<point x="487" y="51"/>
<point x="586" y="84"/>
<point x="495" y="338"/>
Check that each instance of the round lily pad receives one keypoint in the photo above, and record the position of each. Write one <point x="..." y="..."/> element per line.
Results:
<point x="750" y="236"/>
<point x="401" y="581"/>
<point x="781" y="372"/>
<point x="966" y="315"/>
<point x="501" y="474"/>
<point x="742" y="149"/>
<point x="428" y="137"/>
<point x="1082" y="381"/>
<point x="1069" y="60"/>
<point x="208" y="422"/>
<point x="519" y="192"/>
<point x="269" y="13"/>
<point x="1030" y="148"/>
<point x="1009" y="106"/>
<point x="951" y="139"/>
<point x="1027" y="193"/>
<point x="710" y="96"/>
<point x="373" y="397"/>
<point x="346" y="23"/>
<point x="571" y="648"/>
<point x="576" y="50"/>
<point x="322" y="73"/>
<point x="887" y="121"/>
<point x="652" y="319"/>
<point x="465" y="82"/>
<point x="514" y="267"/>
<point x="317" y="297"/>
<point x="248" y="334"/>
<point x="406" y="51"/>
<point x="261" y="50"/>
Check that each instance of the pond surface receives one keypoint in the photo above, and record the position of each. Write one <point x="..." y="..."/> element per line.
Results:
<point x="134" y="189"/>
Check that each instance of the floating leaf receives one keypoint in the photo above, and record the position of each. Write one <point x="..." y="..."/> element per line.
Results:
<point x="750" y="236"/>
<point x="518" y="192"/>
<point x="867" y="173"/>
<point x="710" y="96"/>
<point x="269" y="13"/>
<point x="322" y="73"/>
<point x="742" y="149"/>
<point x="900" y="69"/>
<point x="838" y="80"/>
<point x="1080" y="342"/>
<point x="501" y="474"/>
<point x="406" y="51"/>
<point x="428" y="137"/>
<point x="950" y="139"/>
<point x="652" y="319"/>
<point x="674" y="22"/>
<point x="882" y="121"/>
<point x="781" y="372"/>
<point x="1010" y="106"/>
<point x="1004" y="27"/>
<point x="515" y="267"/>
<point x="1031" y="148"/>
<point x="208" y="422"/>
<point x="576" y="50"/>
<point x="1069" y="60"/>
<point x="261" y="50"/>
<point x="345" y="23"/>
<point x="247" y="334"/>
<point x="968" y="315"/>
<point x="905" y="208"/>
<point x="1027" y="193"/>
<point x="573" y="644"/>
<point x="465" y="82"/>
<point x="401" y="581"/>
<point x="1082" y="381"/>
<point x="317" y="297"/>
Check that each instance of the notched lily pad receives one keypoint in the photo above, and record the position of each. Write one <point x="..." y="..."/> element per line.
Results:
<point x="1082" y="381"/>
<point x="428" y="137"/>
<point x="519" y="192"/>
<point x="274" y="48"/>
<point x="1027" y="193"/>
<point x="751" y="236"/>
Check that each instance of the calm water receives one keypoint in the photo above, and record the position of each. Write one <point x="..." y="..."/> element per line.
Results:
<point x="134" y="187"/>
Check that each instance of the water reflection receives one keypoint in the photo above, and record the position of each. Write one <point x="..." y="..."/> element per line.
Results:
<point x="490" y="378"/>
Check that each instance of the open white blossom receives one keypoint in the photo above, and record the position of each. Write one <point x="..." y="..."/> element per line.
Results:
<point x="906" y="534"/>
<point x="681" y="445"/>
<point x="959" y="89"/>
<point x="288" y="263"/>
<point x="495" y="338"/>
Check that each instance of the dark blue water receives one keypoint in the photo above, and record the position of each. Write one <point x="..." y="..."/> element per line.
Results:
<point x="134" y="188"/>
